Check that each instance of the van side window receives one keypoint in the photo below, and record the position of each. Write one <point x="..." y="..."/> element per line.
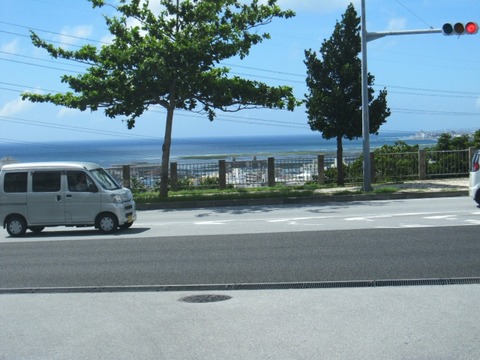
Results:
<point x="78" y="181"/>
<point x="15" y="182"/>
<point x="46" y="181"/>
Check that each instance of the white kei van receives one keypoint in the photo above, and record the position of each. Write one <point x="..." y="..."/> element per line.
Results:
<point x="474" y="178"/>
<point x="36" y="195"/>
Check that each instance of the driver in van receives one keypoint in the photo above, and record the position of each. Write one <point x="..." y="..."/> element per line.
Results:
<point x="81" y="183"/>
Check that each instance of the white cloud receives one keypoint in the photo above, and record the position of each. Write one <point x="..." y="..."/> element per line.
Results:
<point x="477" y="103"/>
<point x="74" y="35"/>
<point x="155" y="6"/>
<point x="65" y="112"/>
<point x="397" y="24"/>
<point x="11" y="47"/>
<point x="131" y="23"/>
<point x="15" y="107"/>
<point x="320" y="6"/>
<point x="107" y="39"/>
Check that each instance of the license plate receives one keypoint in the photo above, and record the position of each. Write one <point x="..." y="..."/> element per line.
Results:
<point x="129" y="218"/>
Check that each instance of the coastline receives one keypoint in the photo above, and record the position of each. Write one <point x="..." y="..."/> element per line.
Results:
<point x="193" y="150"/>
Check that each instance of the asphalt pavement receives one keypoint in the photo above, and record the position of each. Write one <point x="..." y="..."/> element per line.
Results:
<point x="383" y="322"/>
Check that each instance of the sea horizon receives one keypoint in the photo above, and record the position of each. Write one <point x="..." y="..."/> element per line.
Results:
<point x="126" y="151"/>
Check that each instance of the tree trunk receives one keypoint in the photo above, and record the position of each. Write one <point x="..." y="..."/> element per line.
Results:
<point x="340" y="174"/>
<point x="167" y="141"/>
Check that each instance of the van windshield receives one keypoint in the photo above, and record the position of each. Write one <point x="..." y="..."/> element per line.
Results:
<point x="105" y="180"/>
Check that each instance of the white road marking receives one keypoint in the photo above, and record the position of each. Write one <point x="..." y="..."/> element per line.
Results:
<point x="441" y="217"/>
<point x="360" y="218"/>
<point x="473" y="222"/>
<point x="290" y="220"/>
<point x="386" y="216"/>
<point x="408" y="226"/>
<point x="218" y="222"/>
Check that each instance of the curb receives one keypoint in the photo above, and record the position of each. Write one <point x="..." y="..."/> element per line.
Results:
<point x="298" y="200"/>
<point x="244" y="286"/>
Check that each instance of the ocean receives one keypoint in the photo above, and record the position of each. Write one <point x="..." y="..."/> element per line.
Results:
<point x="192" y="150"/>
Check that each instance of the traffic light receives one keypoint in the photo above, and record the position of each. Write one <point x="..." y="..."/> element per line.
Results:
<point x="471" y="28"/>
<point x="458" y="28"/>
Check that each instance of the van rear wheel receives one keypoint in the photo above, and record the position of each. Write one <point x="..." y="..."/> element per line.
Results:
<point x="16" y="226"/>
<point x="107" y="223"/>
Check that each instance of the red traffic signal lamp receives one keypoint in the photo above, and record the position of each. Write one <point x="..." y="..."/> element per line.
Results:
<point x="458" y="28"/>
<point x="471" y="28"/>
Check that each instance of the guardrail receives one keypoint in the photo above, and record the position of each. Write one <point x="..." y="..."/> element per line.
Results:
<point x="297" y="171"/>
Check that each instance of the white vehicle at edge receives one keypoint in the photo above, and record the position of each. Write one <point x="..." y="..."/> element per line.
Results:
<point x="38" y="195"/>
<point x="474" y="178"/>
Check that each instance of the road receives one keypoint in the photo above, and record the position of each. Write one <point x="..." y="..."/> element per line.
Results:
<point x="395" y="214"/>
<point x="432" y="238"/>
<point x="327" y="242"/>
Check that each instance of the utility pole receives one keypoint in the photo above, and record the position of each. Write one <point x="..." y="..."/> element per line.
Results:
<point x="366" y="37"/>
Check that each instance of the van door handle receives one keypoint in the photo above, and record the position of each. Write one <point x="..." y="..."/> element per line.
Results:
<point x="68" y="195"/>
<point x="59" y="197"/>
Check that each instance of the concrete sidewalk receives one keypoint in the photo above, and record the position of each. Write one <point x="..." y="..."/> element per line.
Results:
<point x="419" y="322"/>
<point x="427" y="186"/>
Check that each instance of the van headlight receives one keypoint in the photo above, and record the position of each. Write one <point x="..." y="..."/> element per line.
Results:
<point x="117" y="199"/>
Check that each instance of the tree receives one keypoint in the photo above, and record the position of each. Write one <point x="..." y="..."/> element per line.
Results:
<point x="447" y="142"/>
<point x="445" y="159"/>
<point x="172" y="60"/>
<point x="396" y="162"/>
<point x="334" y="101"/>
<point x="476" y="139"/>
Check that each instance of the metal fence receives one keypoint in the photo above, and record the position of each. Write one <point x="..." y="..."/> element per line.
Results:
<point x="386" y="167"/>
<point x="396" y="166"/>
<point x="295" y="171"/>
<point x="252" y="173"/>
<point x="448" y="163"/>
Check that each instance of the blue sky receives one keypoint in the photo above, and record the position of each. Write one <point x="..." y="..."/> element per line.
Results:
<point x="432" y="80"/>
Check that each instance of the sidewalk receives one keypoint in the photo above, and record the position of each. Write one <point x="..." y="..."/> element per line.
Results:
<point x="419" y="322"/>
<point x="416" y="186"/>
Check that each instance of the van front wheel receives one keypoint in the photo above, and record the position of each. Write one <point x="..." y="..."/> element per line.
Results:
<point x="126" y="225"/>
<point x="16" y="226"/>
<point x="107" y="223"/>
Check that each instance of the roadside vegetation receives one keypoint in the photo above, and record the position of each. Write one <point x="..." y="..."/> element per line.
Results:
<point x="307" y="190"/>
<point x="390" y="172"/>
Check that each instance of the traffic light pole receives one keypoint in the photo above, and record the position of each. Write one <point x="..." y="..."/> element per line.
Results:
<point x="367" y="181"/>
<point x="366" y="37"/>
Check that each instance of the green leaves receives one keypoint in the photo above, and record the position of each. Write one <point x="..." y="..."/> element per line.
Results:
<point x="170" y="59"/>
<point x="334" y="81"/>
<point x="168" y="56"/>
<point x="334" y="101"/>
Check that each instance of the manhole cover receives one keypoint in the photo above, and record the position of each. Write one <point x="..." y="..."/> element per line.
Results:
<point x="205" y="298"/>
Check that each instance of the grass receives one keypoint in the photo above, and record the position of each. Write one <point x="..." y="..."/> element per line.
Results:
<point x="386" y="190"/>
<point x="250" y="193"/>
<point x="206" y="194"/>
